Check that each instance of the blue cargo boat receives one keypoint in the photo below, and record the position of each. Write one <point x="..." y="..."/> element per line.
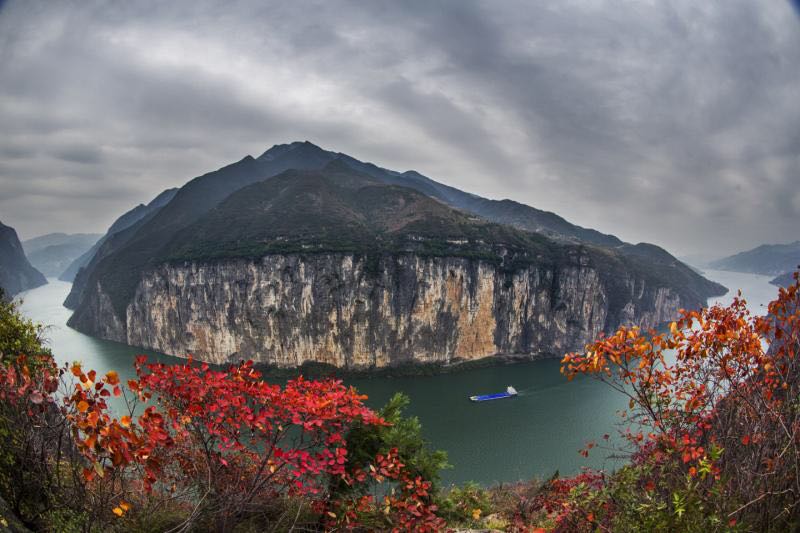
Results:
<point x="509" y="393"/>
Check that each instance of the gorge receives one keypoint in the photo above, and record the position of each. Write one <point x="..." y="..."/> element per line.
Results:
<point x="571" y="412"/>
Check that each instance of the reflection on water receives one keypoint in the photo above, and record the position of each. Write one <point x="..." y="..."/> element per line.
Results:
<point x="532" y="435"/>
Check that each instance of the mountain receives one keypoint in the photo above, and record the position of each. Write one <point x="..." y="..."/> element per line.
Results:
<point x="54" y="252"/>
<point x="308" y="255"/>
<point x="125" y="221"/>
<point x="16" y="273"/>
<point x="783" y="280"/>
<point x="204" y="192"/>
<point x="698" y="260"/>
<point x="201" y="194"/>
<point x="767" y="259"/>
<point x="500" y="211"/>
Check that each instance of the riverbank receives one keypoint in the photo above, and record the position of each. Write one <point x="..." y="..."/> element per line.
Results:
<point x="320" y="370"/>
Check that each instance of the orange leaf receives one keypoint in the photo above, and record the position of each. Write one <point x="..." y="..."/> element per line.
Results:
<point x="83" y="406"/>
<point x="125" y="421"/>
<point x="117" y="511"/>
<point x="112" y="378"/>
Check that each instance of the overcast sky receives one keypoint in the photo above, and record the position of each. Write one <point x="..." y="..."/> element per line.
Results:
<point x="676" y="123"/>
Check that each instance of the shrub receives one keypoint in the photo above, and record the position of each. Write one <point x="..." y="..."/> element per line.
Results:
<point x="208" y="450"/>
<point x="713" y="432"/>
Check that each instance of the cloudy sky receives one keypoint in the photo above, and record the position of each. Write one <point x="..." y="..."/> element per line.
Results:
<point x="670" y="122"/>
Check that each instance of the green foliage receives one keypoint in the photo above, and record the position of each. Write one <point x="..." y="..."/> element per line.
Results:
<point x="65" y="520"/>
<point x="466" y="505"/>
<point x="20" y="487"/>
<point x="18" y="335"/>
<point x="152" y="517"/>
<point x="676" y="502"/>
<point x="403" y="433"/>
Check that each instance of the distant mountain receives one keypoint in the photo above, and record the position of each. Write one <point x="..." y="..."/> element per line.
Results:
<point x="16" y="273"/>
<point x="768" y="259"/>
<point x="54" y="252"/>
<point x="125" y="221"/>
<point x="699" y="260"/>
<point x="259" y="241"/>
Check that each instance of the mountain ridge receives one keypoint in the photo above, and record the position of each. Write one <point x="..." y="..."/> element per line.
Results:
<point x="766" y="259"/>
<point x="51" y="254"/>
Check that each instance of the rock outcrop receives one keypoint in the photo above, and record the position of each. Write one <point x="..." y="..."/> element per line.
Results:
<point x="336" y="309"/>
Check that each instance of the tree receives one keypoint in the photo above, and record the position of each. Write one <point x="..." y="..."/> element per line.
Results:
<point x="229" y="446"/>
<point x="713" y="431"/>
<point x="401" y="436"/>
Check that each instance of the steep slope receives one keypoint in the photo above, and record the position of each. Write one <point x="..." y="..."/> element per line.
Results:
<point x="500" y="211"/>
<point x="767" y="259"/>
<point x="338" y="267"/>
<point x="16" y="273"/>
<point x="125" y="221"/>
<point x="54" y="252"/>
<point x="195" y="198"/>
<point x="338" y="210"/>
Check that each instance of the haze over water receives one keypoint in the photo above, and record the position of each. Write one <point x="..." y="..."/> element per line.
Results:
<point x="529" y="436"/>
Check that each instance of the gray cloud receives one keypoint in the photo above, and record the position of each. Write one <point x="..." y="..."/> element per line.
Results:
<point x="669" y="122"/>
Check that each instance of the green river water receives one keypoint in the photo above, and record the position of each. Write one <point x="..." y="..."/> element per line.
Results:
<point x="532" y="435"/>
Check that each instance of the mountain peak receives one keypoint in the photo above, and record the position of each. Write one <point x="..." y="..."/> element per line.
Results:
<point x="279" y="150"/>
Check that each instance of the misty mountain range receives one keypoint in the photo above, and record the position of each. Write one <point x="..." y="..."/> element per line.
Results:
<point x="51" y="254"/>
<point x="779" y="260"/>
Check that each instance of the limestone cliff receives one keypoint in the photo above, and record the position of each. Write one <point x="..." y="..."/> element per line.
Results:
<point x="339" y="309"/>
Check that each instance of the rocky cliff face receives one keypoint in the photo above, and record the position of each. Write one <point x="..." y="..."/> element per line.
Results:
<point x="351" y="312"/>
<point x="16" y="272"/>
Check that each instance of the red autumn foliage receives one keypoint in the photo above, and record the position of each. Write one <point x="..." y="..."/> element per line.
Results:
<point x="228" y="444"/>
<point x="710" y="403"/>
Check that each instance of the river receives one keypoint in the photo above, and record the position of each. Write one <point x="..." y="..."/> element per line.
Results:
<point x="530" y="436"/>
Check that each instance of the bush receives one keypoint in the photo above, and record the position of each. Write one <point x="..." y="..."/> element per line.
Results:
<point x="208" y="450"/>
<point x="713" y="433"/>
